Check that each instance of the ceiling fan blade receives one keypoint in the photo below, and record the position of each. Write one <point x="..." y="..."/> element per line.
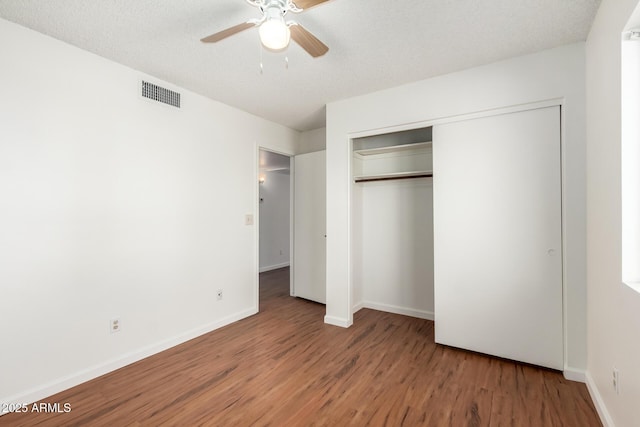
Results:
<point x="306" y="4"/>
<point x="228" y="32"/>
<point x="307" y="41"/>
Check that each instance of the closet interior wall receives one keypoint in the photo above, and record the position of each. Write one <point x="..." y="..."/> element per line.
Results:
<point x="392" y="223"/>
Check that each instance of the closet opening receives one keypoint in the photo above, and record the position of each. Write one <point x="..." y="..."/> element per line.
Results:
<point x="392" y="223"/>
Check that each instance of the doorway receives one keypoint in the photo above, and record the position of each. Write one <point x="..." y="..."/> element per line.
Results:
<point x="274" y="211"/>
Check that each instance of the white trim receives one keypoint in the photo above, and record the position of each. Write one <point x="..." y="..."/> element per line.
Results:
<point x="64" y="383"/>
<point x="292" y="221"/>
<point x="389" y="308"/>
<point x="337" y="321"/>
<point x="458" y="118"/>
<point x="563" y="238"/>
<point x="274" y="267"/>
<point x="349" y="148"/>
<point x="359" y="306"/>
<point x="598" y="402"/>
<point x="256" y="221"/>
<point x="573" y="374"/>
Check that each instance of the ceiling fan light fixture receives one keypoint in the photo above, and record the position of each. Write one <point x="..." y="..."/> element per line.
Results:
<point x="274" y="32"/>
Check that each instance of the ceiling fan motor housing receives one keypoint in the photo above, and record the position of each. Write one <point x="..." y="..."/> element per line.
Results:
<point x="274" y="7"/>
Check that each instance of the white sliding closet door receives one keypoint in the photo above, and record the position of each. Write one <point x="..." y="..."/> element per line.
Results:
<point x="309" y="272"/>
<point x="497" y="236"/>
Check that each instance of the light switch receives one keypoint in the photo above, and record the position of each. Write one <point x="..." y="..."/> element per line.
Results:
<point x="248" y="219"/>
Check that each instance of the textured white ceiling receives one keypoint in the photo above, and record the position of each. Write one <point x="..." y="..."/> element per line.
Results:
<point x="374" y="44"/>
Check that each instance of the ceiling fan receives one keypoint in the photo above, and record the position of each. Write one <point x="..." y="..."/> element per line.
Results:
<point x="274" y="32"/>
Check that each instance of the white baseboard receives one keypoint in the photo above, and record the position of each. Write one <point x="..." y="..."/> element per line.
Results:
<point x="421" y="314"/>
<point x="598" y="402"/>
<point x="337" y="321"/>
<point x="61" y="384"/>
<point x="573" y="374"/>
<point x="359" y="306"/>
<point x="273" y="267"/>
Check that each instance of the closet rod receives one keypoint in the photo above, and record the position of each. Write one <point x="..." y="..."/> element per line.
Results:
<point x="390" y="178"/>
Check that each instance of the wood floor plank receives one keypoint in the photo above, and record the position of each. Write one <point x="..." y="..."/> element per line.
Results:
<point x="284" y="366"/>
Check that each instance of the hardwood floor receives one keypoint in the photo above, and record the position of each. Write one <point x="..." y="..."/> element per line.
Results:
<point x="285" y="367"/>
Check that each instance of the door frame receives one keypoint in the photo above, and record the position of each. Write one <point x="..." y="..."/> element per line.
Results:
<point x="261" y="147"/>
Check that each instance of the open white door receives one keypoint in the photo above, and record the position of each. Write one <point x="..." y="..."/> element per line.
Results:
<point x="497" y="236"/>
<point x="310" y="227"/>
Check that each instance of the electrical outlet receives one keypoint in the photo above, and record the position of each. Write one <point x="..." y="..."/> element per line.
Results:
<point x="115" y="325"/>
<point x="219" y="294"/>
<point x="616" y="380"/>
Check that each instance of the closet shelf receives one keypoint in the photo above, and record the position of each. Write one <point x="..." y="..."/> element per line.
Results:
<point x="392" y="148"/>
<point x="394" y="175"/>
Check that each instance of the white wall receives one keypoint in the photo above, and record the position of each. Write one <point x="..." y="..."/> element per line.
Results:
<point x="556" y="73"/>
<point x="274" y="220"/>
<point x="393" y="268"/>
<point x="613" y="308"/>
<point x="312" y="141"/>
<point x="115" y="206"/>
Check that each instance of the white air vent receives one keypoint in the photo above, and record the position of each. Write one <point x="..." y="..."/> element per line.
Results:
<point x="160" y="94"/>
